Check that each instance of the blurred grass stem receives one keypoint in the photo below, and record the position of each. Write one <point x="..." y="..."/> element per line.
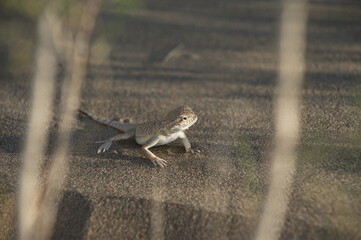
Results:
<point x="287" y="118"/>
<point x="37" y="221"/>
<point x="40" y="116"/>
<point x="77" y="66"/>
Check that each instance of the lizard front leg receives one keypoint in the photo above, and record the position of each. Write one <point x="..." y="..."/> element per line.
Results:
<point x="186" y="143"/>
<point x="105" y="146"/>
<point x="149" y="155"/>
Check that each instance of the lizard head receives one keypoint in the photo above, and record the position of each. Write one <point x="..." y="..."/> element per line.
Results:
<point x="181" y="118"/>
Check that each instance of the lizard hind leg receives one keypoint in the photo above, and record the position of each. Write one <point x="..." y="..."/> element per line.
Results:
<point x="108" y="143"/>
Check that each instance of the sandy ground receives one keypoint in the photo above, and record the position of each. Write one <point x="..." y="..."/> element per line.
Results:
<point x="226" y="71"/>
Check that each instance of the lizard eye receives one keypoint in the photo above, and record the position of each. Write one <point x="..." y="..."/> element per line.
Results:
<point x="184" y="118"/>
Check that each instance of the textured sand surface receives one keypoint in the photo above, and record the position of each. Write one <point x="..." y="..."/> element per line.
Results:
<point x="227" y="72"/>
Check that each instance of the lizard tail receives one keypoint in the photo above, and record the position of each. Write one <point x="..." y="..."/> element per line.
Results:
<point x="108" y="123"/>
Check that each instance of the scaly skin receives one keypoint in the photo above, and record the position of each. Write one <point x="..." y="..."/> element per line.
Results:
<point x="153" y="133"/>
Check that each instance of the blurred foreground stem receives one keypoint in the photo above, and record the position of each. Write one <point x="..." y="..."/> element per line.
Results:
<point x="287" y="118"/>
<point x="37" y="221"/>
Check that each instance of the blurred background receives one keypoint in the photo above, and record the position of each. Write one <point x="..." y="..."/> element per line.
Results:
<point x="222" y="58"/>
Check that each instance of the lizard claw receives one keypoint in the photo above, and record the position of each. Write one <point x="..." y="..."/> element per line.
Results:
<point x="104" y="147"/>
<point x="193" y="151"/>
<point x="159" y="162"/>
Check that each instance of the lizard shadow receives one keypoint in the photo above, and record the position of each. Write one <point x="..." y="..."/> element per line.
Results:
<point x="127" y="151"/>
<point x="83" y="145"/>
<point x="121" y="152"/>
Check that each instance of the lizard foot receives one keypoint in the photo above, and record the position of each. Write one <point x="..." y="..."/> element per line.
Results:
<point x="193" y="151"/>
<point x="158" y="162"/>
<point x="104" y="147"/>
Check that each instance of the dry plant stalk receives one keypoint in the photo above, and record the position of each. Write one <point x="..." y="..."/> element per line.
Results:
<point x="43" y="92"/>
<point x="59" y="168"/>
<point x="37" y="221"/>
<point x="287" y="118"/>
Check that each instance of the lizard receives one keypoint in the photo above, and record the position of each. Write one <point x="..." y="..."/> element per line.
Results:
<point x="151" y="133"/>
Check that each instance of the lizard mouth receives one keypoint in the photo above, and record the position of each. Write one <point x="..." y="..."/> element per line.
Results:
<point x="193" y="122"/>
